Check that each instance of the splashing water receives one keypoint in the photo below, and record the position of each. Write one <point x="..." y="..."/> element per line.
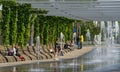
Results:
<point x="38" y="47"/>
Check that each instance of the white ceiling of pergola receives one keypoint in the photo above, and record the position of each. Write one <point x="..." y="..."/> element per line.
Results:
<point x="81" y="10"/>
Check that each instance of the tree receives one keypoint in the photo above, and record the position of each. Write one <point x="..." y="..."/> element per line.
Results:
<point x="13" y="23"/>
<point x="6" y="12"/>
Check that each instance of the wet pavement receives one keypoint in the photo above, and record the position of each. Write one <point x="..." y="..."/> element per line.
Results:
<point x="99" y="60"/>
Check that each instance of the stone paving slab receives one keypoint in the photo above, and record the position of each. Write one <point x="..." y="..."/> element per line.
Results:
<point x="69" y="55"/>
<point x="77" y="52"/>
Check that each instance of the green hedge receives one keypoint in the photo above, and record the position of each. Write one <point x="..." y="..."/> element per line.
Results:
<point x="19" y="20"/>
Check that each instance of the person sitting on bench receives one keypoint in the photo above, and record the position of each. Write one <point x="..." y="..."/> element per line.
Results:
<point x="67" y="46"/>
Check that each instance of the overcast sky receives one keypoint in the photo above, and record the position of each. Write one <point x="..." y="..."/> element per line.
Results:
<point x="51" y="0"/>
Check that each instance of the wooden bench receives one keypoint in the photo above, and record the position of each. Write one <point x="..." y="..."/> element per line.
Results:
<point x="43" y="55"/>
<point x="10" y="59"/>
<point x="31" y="52"/>
<point x="24" y="55"/>
<point x="2" y="59"/>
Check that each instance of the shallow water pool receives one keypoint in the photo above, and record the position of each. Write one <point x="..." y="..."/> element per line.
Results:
<point x="99" y="60"/>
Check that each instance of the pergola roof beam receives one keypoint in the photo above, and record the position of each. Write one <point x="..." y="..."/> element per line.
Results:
<point x="88" y="10"/>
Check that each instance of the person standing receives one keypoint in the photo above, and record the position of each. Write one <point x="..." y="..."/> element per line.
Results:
<point x="81" y="40"/>
<point x="78" y="42"/>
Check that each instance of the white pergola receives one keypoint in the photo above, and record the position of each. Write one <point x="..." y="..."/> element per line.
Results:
<point x="80" y="10"/>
